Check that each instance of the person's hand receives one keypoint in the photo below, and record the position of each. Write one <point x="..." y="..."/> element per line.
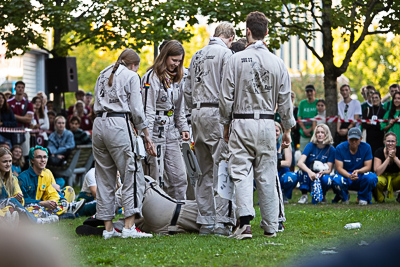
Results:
<point x="15" y="173"/>
<point x="19" y="197"/>
<point x="226" y="133"/>
<point x="312" y="175"/>
<point x="60" y="156"/>
<point x="49" y="204"/>
<point x="354" y="175"/>
<point x="392" y="153"/>
<point x="286" y="139"/>
<point x="150" y="148"/>
<point x="185" y="136"/>
<point x="392" y="121"/>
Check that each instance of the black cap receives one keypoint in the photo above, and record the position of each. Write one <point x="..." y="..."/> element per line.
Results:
<point x="89" y="93"/>
<point x="310" y="87"/>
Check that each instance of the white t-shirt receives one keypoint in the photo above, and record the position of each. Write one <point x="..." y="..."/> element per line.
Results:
<point x="354" y="108"/>
<point x="90" y="180"/>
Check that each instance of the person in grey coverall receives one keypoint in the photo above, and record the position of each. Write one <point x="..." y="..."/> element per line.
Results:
<point x="254" y="82"/>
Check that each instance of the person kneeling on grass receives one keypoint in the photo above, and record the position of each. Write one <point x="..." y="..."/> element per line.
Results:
<point x="387" y="167"/>
<point x="353" y="160"/>
<point x="319" y="150"/>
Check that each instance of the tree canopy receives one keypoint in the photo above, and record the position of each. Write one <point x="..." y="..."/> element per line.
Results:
<point x="102" y="23"/>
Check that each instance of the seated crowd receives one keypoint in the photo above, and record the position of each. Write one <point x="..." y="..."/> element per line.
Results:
<point x="28" y="155"/>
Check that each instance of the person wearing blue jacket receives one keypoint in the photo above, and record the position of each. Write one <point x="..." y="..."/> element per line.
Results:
<point x="61" y="142"/>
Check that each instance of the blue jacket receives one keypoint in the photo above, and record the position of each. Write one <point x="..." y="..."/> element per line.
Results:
<point x="60" y="144"/>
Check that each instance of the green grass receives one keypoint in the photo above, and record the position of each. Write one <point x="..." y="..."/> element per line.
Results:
<point x="309" y="230"/>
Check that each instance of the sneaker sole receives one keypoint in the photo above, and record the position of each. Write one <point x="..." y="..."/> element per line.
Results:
<point x="270" y="235"/>
<point x="243" y="237"/>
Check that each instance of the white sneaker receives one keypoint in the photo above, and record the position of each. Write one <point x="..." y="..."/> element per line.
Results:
<point x="303" y="199"/>
<point x="49" y="219"/>
<point x="75" y="206"/>
<point x="134" y="233"/>
<point x="108" y="235"/>
<point x="362" y="202"/>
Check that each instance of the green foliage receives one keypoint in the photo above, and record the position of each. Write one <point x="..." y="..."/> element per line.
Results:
<point x="102" y="23"/>
<point x="375" y="63"/>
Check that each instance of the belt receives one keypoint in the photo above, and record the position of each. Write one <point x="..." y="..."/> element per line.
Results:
<point x="168" y="113"/>
<point x="111" y="114"/>
<point x="207" y="105"/>
<point x="251" y="116"/>
<point x="175" y="217"/>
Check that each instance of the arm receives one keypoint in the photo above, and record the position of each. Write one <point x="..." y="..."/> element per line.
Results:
<point x="353" y="124"/>
<point x="17" y="191"/>
<point x="179" y="115"/>
<point x="150" y="105"/>
<point x="340" y="170"/>
<point x="188" y="89"/>
<point x="365" y="168"/>
<point x="46" y="123"/>
<point x="93" y="190"/>
<point x="9" y="120"/>
<point x="27" y="118"/>
<point x="285" y="106"/>
<point x="379" y="166"/>
<point x="301" y="164"/>
<point x="288" y="158"/>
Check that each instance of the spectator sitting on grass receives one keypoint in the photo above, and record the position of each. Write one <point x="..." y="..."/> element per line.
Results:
<point x="353" y="160"/>
<point x="320" y="149"/>
<point x="387" y="167"/>
<point x="80" y="136"/>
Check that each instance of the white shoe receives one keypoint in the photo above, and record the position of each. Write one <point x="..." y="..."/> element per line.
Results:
<point x="134" y="233"/>
<point x="362" y="202"/>
<point x="75" y="206"/>
<point x="108" y="235"/>
<point x="303" y="199"/>
<point x="49" y="219"/>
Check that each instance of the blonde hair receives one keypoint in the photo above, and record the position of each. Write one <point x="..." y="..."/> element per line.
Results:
<point x="328" y="136"/>
<point x="7" y="180"/>
<point x="224" y="29"/>
<point x="126" y="58"/>
<point x="171" y="48"/>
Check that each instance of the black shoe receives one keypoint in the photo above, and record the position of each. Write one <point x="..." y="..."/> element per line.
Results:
<point x="85" y="230"/>
<point x="93" y="222"/>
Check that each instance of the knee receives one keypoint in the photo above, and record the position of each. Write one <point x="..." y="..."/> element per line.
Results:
<point x="371" y="178"/>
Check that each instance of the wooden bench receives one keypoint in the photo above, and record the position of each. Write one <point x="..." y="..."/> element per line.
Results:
<point x="79" y="161"/>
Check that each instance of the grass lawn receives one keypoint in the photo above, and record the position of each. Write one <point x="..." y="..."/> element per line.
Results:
<point x="310" y="229"/>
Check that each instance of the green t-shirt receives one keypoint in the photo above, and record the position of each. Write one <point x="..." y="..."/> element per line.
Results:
<point x="387" y="105"/>
<point x="307" y="111"/>
<point x="396" y="126"/>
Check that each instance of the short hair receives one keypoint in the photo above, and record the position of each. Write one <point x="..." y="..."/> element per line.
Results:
<point x="377" y="93"/>
<point x="370" y="87"/>
<point x="322" y="101"/>
<point x="328" y="136"/>
<point x="50" y="112"/>
<point x="33" y="149"/>
<point x="257" y="23"/>
<point x="237" y="47"/>
<point x="58" y="118"/>
<point x="75" y="118"/>
<point x="19" y="82"/>
<point x="224" y="29"/>
<point x="345" y="85"/>
<point x="394" y="85"/>
<point x="80" y="92"/>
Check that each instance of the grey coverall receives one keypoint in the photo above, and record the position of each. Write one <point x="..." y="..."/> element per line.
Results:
<point x="202" y="89"/>
<point x="114" y="141"/>
<point x="254" y="82"/>
<point x="168" y="166"/>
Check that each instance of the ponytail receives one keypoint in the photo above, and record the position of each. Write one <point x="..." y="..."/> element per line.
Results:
<point x="127" y="57"/>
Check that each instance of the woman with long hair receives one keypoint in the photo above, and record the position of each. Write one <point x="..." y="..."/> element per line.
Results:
<point x="164" y="109"/>
<point x="7" y="119"/>
<point x="320" y="150"/>
<point x="392" y="115"/>
<point x="387" y="168"/>
<point x="116" y="146"/>
<point x="18" y="161"/>
<point x="40" y="121"/>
